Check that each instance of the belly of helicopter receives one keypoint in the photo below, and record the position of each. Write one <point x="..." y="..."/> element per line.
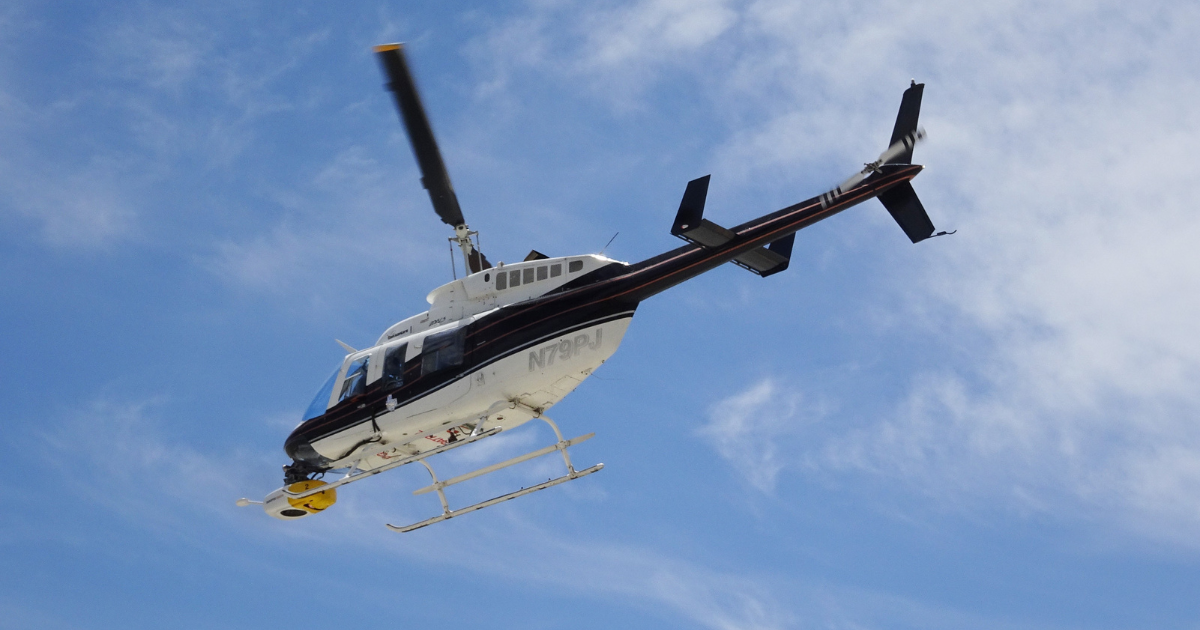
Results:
<point x="539" y="375"/>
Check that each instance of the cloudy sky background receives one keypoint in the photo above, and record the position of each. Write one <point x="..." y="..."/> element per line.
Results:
<point x="997" y="429"/>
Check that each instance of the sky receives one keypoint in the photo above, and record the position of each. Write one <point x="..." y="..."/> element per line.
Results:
<point x="996" y="429"/>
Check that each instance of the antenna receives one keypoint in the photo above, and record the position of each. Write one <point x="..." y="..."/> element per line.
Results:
<point x="608" y="243"/>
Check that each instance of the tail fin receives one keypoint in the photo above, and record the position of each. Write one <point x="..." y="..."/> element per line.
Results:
<point x="906" y="120"/>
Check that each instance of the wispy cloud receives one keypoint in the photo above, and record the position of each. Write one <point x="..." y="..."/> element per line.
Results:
<point x="748" y="429"/>
<point x="637" y="575"/>
<point x="616" y="50"/>
<point x="346" y="217"/>
<point x="170" y="489"/>
<point x="152" y="99"/>
<point x="150" y="478"/>
<point x="181" y="495"/>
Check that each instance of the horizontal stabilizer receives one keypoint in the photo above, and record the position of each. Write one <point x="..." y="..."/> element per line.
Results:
<point x="901" y="201"/>
<point x="707" y="233"/>
<point x="690" y="224"/>
<point x="766" y="261"/>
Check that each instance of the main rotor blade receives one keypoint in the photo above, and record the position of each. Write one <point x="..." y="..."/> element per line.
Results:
<point x="477" y="261"/>
<point x="433" y="170"/>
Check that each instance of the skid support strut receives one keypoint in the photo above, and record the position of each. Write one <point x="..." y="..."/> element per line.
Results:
<point x="438" y="486"/>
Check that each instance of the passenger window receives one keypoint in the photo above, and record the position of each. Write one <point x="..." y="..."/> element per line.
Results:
<point x="555" y="270"/>
<point x="393" y="366"/>
<point x="528" y="279"/>
<point x="356" y="379"/>
<point x="575" y="265"/>
<point x="514" y="278"/>
<point x="443" y="350"/>
<point x="501" y="281"/>
<point x="542" y="273"/>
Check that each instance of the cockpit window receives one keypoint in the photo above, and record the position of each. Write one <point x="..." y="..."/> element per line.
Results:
<point x="393" y="366"/>
<point x="356" y="379"/>
<point x="321" y="402"/>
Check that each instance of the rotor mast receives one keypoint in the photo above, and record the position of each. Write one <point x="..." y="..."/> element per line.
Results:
<point x="434" y="177"/>
<point x="472" y="257"/>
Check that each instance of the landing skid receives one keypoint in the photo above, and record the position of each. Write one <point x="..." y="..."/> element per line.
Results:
<point x="438" y="486"/>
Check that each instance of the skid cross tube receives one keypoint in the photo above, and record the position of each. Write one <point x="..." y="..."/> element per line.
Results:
<point x="439" y="486"/>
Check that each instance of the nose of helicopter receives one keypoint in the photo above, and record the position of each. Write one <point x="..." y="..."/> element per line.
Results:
<point x="299" y="448"/>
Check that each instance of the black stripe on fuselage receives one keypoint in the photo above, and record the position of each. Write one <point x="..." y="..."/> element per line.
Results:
<point x="605" y="292"/>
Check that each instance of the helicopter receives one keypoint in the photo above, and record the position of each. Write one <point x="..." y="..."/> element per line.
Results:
<point x="504" y="344"/>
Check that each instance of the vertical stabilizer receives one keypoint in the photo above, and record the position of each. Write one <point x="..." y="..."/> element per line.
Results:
<point x="906" y="120"/>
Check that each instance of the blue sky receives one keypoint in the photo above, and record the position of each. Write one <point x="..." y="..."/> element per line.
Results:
<point x="993" y="430"/>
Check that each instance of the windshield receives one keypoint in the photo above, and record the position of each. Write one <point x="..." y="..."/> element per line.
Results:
<point x="356" y="378"/>
<point x="321" y="402"/>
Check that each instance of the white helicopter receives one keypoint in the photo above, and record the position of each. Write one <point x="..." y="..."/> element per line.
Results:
<point x="502" y="345"/>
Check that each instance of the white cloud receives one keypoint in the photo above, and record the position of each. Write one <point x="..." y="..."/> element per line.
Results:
<point x="615" y="50"/>
<point x="651" y="32"/>
<point x="748" y="428"/>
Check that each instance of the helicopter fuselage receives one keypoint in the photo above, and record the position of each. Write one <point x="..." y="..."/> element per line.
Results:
<point x="528" y="332"/>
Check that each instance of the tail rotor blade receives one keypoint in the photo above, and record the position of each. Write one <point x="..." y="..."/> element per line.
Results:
<point x="901" y="150"/>
<point x="899" y="153"/>
<point x="433" y="170"/>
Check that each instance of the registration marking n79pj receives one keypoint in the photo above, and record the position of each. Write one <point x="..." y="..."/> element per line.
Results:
<point x="564" y="349"/>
